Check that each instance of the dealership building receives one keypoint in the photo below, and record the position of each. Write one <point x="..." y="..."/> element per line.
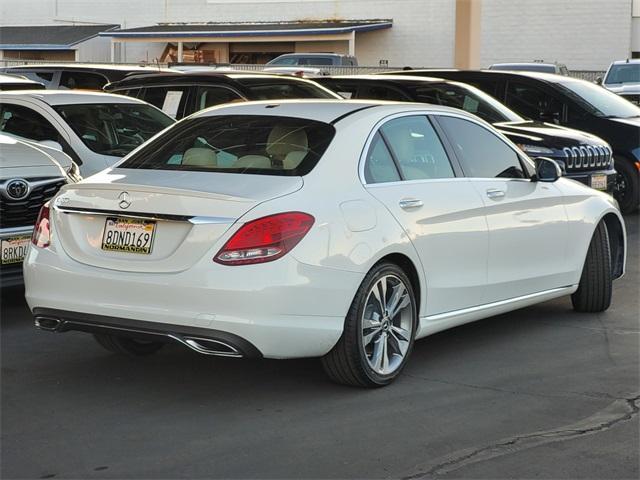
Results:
<point x="583" y="34"/>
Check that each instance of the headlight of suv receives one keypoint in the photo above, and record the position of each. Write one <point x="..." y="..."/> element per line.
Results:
<point x="535" y="150"/>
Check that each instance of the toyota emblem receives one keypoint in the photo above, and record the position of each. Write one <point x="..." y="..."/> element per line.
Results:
<point x="125" y="200"/>
<point x="17" y="189"/>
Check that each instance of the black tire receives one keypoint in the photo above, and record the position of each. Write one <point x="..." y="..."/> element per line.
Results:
<point x="628" y="188"/>
<point x="596" y="282"/>
<point x="347" y="363"/>
<point x="128" y="346"/>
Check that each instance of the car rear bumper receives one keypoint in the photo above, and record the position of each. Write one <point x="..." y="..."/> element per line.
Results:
<point x="283" y="309"/>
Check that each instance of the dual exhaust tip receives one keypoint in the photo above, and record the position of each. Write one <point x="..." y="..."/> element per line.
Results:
<point x="204" y="346"/>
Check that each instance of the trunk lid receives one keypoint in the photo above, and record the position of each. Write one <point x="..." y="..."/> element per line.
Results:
<point x="188" y="211"/>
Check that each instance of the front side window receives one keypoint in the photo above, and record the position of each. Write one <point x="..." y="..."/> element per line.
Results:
<point x="113" y="128"/>
<point x="417" y="148"/>
<point x="382" y="92"/>
<point x="482" y="154"/>
<point x="251" y="144"/>
<point x="533" y="102"/>
<point x="26" y="123"/>
<point x="82" y="80"/>
<point x="211" y="96"/>
<point x="464" y="97"/>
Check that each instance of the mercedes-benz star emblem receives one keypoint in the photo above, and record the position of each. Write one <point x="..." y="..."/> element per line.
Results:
<point x="125" y="200"/>
<point x="17" y="189"/>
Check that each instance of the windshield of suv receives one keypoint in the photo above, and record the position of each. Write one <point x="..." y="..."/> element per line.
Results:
<point x="623" y="73"/>
<point x="599" y="101"/>
<point x="114" y="128"/>
<point x="464" y="97"/>
<point x="251" y="144"/>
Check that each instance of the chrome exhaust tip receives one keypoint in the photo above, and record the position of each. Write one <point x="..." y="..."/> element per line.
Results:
<point x="50" y="324"/>
<point x="208" y="346"/>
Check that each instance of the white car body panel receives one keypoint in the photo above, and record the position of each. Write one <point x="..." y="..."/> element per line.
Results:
<point x="295" y="306"/>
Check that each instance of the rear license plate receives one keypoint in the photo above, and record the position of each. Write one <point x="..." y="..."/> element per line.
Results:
<point x="128" y="235"/>
<point x="14" y="249"/>
<point x="599" y="182"/>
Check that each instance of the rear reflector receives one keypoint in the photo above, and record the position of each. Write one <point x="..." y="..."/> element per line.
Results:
<point x="265" y="239"/>
<point x="42" y="232"/>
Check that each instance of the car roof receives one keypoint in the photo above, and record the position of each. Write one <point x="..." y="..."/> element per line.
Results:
<point x="548" y="77"/>
<point x="387" y="78"/>
<point x="525" y="64"/>
<point x="624" y="62"/>
<point x="67" y="97"/>
<point x="89" y="66"/>
<point x="197" y="77"/>
<point x="322" y="110"/>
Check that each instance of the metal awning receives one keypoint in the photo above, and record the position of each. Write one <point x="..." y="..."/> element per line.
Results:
<point x="184" y="31"/>
<point x="49" y="37"/>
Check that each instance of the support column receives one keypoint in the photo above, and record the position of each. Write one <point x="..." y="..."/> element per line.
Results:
<point x="468" y="29"/>
<point x="352" y="44"/>
<point x="179" y="51"/>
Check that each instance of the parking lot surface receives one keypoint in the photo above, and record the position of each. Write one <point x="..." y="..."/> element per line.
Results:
<point x="541" y="392"/>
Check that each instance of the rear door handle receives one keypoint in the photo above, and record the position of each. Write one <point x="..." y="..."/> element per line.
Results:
<point x="409" y="203"/>
<point x="495" y="193"/>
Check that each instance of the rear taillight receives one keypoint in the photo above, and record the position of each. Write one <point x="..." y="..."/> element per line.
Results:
<point x="265" y="239"/>
<point x="42" y="232"/>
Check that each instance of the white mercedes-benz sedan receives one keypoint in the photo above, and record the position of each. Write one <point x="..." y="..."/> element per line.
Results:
<point x="335" y="229"/>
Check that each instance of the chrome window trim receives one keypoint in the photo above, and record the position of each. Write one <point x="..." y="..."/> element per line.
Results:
<point x="194" y="220"/>
<point x="428" y="113"/>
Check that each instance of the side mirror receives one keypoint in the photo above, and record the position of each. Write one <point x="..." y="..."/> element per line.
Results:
<point x="598" y="81"/>
<point x="547" y="170"/>
<point x="51" y="144"/>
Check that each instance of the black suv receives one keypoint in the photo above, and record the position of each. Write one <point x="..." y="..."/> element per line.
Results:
<point x="181" y="94"/>
<point x="573" y="103"/>
<point x="536" y="139"/>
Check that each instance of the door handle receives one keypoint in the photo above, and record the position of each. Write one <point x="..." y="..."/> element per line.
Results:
<point x="495" y="193"/>
<point x="408" y="203"/>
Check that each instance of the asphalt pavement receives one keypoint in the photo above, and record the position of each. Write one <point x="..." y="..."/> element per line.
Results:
<point x="542" y="392"/>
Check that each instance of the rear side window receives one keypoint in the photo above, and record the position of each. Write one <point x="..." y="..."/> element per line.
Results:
<point x="482" y="154"/>
<point x="26" y="123"/>
<point x="82" y="80"/>
<point x="252" y="144"/>
<point x="170" y="100"/>
<point x="417" y="149"/>
<point x="43" y="77"/>
<point x="379" y="166"/>
<point x="211" y="96"/>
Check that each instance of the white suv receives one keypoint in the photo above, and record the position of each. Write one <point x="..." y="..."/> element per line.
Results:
<point x="623" y="78"/>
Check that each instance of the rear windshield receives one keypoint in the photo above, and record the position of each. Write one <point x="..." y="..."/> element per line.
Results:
<point x="252" y="144"/>
<point x="282" y="89"/>
<point x="114" y="128"/>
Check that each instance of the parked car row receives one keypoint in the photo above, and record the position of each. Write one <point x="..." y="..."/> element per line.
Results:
<point x="446" y="206"/>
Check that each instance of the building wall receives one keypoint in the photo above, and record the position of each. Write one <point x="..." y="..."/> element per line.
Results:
<point x="97" y="49"/>
<point x="583" y="34"/>
<point x="423" y="32"/>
